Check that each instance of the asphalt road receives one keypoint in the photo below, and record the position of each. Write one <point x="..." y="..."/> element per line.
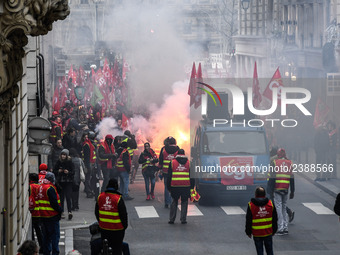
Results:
<point x="216" y="229"/>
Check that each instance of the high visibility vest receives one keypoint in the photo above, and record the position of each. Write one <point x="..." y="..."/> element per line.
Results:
<point x="180" y="174"/>
<point x="92" y="151"/>
<point x="45" y="208"/>
<point x="108" y="150"/>
<point x="148" y="162"/>
<point x="282" y="178"/>
<point x="34" y="199"/>
<point x="108" y="212"/>
<point x="166" y="160"/>
<point x="262" y="219"/>
<point x="120" y="163"/>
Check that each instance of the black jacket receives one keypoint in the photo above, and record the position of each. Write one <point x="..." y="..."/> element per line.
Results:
<point x="337" y="205"/>
<point x="66" y="164"/>
<point x="249" y="216"/>
<point x="121" y="208"/>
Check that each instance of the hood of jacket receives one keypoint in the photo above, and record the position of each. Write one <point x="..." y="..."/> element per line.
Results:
<point x="260" y="201"/>
<point x="181" y="159"/>
<point x="171" y="149"/>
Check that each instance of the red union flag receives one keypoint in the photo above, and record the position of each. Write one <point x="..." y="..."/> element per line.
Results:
<point x="275" y="82"/>
<point x="192" y="91"/>
<point x="257" y="98"/>
<point x="321" y="112"/>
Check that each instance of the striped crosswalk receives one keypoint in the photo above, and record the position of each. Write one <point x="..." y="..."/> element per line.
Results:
<point x="194" y="210"/>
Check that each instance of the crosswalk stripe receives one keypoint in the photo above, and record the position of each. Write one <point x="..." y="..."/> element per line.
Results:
<point x="318" y="208"/>
<point x="192" y="210"/>
<point x="233" y="210"/>
<point x="146" y="212"/>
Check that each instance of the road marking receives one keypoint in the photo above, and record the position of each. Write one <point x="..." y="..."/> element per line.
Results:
<point x="192" y="210"/>
<point x="68" y="240"/>
<point x="233" y="210"/>
<point x="318" y="208"/>
<point x="146" y="212"/>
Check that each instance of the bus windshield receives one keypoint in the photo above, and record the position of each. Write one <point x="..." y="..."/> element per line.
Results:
<point x="241" y="142"/>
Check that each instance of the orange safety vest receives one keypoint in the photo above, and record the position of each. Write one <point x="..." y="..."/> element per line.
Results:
<point x="108" y="150"/>
<point x="166" y="160"/>
<point x="148" y="162"/>
<point x="34" y="199"/>
<point x="282" y="177"/>
<point x="120" y="163"/>
<point x="108" y="212"/>
<point x="180" y="174"/>
<point x="262" y="219"/>
<point x="92" y="151"/>
<point x="45" y="209"/>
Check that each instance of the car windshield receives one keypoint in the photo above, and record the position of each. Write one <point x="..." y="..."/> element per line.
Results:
<point x="244" y="142"/>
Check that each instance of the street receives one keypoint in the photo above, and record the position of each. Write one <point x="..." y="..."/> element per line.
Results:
<point x="214" y="229"/>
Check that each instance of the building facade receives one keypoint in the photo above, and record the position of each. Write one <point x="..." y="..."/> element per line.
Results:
<point x="21" y="24"/>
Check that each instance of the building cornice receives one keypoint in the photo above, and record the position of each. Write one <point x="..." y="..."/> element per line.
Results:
<point x="19" y="19"/>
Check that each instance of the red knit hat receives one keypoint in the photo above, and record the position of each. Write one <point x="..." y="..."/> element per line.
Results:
<point x="42" y="167"/>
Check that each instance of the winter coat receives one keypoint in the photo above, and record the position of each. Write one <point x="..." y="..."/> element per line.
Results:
<point x="77" y="162"/>
<point x="66" y="164"/>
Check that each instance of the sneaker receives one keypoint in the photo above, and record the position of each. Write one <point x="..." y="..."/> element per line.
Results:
<point x="279" y="233"/>
<point x="291" y="216"/>
<point x="70" y="216"/>
<point x="285" y="232"/>
<point x="128" y="198"/>
<point x="166" y="206"/>
<point x="62" y="215"/>
<point x="148" y="197"/>
<point x="152" y="195"/>
<point x="170" y="222"/>
<point x="184" y="222"/>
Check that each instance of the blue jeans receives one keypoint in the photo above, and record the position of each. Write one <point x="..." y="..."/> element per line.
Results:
<point x="280" y="201"/>
<point x="51" y="232"/>
<point x="167" y="196"/>
<point x="149" y="180"/>
<point x="268" y="244"/>
<point x="124" y="183"/>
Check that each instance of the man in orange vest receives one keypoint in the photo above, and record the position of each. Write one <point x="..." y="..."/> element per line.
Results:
<point x="179" y="185"/>
<point x="167" y="154"/>
<point x="107" y="157"/>
<point x="281" y="179"/>
<point x="50" y="213"/>
<point x="112" y="217"/>
<point x="261" y="221"/>
<point x="34" y="207"/>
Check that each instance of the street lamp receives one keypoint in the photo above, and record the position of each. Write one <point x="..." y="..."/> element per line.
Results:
<point x="245" y="4"/>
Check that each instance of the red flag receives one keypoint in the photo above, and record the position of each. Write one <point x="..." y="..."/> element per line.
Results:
<point x="257" y="98"/>
<point x="192" y="85"/>
<point x="125" y="69"/>
<point x="56" y="101"/>
<point x="275" y="82"/>
<point x="106" y="71"/>
<point x="124" y="121"/>
<point x="199" y="92"/>
<point x="321" y="112"/>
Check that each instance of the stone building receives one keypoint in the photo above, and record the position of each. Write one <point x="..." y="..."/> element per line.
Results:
<point x="21" y="24"/>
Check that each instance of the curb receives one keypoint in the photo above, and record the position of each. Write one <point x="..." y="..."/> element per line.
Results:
<point x="319" y="185"/>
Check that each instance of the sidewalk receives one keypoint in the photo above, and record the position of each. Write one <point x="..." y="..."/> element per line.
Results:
<point x="331" y="186"/>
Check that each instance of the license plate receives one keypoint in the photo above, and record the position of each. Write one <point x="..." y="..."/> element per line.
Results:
<point x="237" y="187"/>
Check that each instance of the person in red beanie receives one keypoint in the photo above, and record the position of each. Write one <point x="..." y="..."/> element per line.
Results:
<point x="42" y="172"/>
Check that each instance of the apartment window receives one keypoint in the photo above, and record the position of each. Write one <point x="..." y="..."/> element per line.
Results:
<point x="84" y="1"/>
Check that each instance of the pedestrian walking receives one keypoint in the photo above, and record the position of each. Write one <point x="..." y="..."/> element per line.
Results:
<point x="279" y="182"/>
<point x="89" y="158"/>
<point x="112" y="216"/>
<point x="261" y="221"/>
<point x="107" y="158"/>
<point x="124" y="168"/>
<point x="167" y="153"/>
<point x="79" y="176"/>
<point x="148" y="159"/>
<point x="179" y="185"/>
<point x="50" y="212"/>
<point x="34" y="208"/>
<point x="64" y="172"/>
